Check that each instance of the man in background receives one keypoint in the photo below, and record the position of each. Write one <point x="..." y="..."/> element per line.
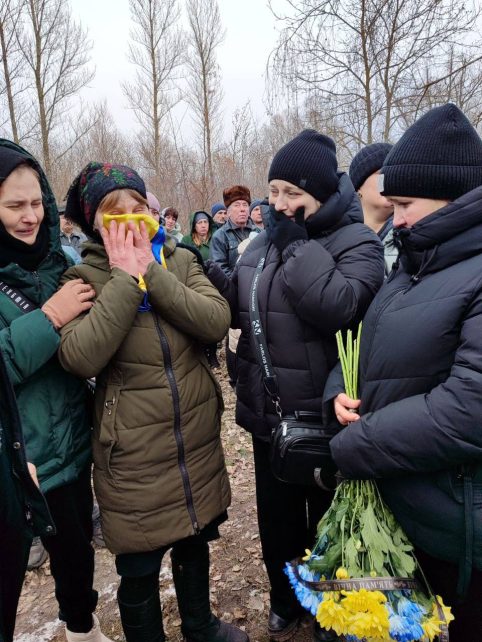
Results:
<point x="224" y="244"/>
<point x="70" y="237"/>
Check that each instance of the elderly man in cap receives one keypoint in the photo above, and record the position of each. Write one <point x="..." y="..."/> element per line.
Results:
<point x="224" y="244"/>
<point x="219" y="214"/>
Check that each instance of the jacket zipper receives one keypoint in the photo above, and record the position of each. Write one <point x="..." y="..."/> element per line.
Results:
<point x="395" y="293"/>
<point x="166" y="352"/>
<point x="39" y="284"/>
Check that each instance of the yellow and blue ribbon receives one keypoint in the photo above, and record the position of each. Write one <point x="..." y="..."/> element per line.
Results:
<point x="157" y="244"/>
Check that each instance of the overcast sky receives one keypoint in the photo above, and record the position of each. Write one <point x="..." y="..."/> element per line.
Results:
<point x="250" y="36"/>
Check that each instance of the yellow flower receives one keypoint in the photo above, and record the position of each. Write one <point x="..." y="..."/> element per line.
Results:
<point x="447" y="611"/>
<point x="341" y="573"/>
<point x="373" y="624"/>
<point x="366" y="614"/>
<point x="431" y="628"/>
<point x="307" y="556"/>
<point x="363" y="600"/>
<point x="331" y="615"/>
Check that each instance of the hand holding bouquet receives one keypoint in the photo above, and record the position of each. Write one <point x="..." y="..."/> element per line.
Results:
<point x="360" y="578"/>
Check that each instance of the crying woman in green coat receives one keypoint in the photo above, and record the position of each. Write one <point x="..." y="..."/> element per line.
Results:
<point x="51" y="402"/>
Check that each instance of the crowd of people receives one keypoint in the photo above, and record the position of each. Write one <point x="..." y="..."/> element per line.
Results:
<point x="108" y="287"/>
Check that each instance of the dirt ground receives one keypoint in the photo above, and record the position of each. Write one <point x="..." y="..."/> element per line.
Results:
<point x="239" y="587"/>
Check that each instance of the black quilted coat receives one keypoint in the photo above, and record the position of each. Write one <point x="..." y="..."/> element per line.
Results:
<point x="421" y="384"/>
<point x="314" y="289"/>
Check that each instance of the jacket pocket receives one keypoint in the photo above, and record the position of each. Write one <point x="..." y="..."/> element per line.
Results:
<point x="217" y="387"/>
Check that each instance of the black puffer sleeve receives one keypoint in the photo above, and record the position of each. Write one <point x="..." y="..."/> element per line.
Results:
<point x="423" y="432"/>
<point x="332" y="291"/>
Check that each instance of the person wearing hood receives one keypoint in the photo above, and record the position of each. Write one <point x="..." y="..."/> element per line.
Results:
<point x="418" y="430"/>
<point x="322" y="268"/>
<point x="159" y="471"/>
<point x="202" y="227"/>
<point x="377" y="209"/>
<point x="51" y="402"/>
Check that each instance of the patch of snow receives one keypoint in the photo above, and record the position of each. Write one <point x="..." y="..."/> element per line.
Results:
<point x="44" y="634"/>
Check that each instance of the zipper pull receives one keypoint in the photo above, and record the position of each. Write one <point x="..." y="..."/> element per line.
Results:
<point x="109" y="403"/>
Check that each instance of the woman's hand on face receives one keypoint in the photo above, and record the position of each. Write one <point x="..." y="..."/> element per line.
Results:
<point x="345" y="407"/>
<point x="72" y="299"/>
<point x="119" y="246"/>
<point x="142" y="247"/>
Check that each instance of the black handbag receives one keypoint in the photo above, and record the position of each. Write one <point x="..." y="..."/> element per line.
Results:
<point x="300" y="443"/>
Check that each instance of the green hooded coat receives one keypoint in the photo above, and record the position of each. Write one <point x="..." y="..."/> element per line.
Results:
<point x="189" y="240"/>
<point x="159" y="470"/>
<point x="51" y="402"/>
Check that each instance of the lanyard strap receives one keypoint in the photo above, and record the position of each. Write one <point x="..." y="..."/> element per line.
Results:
<point x="17" y="298"/>
<point x="269" y="378"/>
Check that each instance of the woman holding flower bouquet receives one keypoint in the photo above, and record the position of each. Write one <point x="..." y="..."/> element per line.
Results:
<point x="418" y="430"/>
<point x="322" y="269"/>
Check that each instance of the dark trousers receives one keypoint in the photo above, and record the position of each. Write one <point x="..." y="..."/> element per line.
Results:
<point x="71" y="552"/>
<point x="14" y="550"/>
<point x="140" y="571"/>
<point x="442" y="577"/>
<point x="287" y="517"/>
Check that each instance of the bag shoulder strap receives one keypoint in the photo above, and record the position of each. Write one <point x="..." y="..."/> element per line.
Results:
<point x="19" y="299"/>
<point x="262" y="353"/>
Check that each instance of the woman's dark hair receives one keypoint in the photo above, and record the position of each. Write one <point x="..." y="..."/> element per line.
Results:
<point x="171" y="211"/>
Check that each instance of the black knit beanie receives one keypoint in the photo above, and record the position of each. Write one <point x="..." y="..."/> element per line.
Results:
<point x="439" y="157"/>
<point x="309" y="162"/>
<point x="368" y="161"/>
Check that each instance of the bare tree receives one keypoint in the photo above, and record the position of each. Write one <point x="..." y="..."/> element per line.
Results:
<point x="458" y="81"/>
<point x="102" y="142"/>
<point x="12" y="63"/>
<point x="157" y="52"/>
<point x="204" y="93"/>
<point x="56" y="52"/>
<point x="243" y="135"/>
<point x="360" y="56"/>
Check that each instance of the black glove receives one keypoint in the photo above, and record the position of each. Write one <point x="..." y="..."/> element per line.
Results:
<point x="282" y="231"/>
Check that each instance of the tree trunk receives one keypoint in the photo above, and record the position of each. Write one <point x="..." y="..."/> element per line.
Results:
<point x="44" y="130"/>
<point x="8" y="85"/>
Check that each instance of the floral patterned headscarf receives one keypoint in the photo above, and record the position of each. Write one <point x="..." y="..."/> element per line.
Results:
<point x="94" y="182"/>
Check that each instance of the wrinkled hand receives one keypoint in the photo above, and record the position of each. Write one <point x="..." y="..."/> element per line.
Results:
<point x="142" y="247"/>
<point x="119" y="246"/>
<point x="72" y="299"/>
<point x="282" y="231"/>
<point x="345" y="407"/>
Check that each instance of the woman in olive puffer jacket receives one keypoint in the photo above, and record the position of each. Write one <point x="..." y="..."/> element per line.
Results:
<point x="159" y="470"/>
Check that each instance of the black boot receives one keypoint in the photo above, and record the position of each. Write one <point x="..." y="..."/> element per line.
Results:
<point x="281" y="629"/>
<point x="322" y="635"/>
<point x="142" y="622"/>
<point x="190" y="571"/>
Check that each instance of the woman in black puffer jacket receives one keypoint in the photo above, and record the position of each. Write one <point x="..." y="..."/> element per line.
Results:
<point x="420" y="429"/>
<point x="323" y="267"/>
